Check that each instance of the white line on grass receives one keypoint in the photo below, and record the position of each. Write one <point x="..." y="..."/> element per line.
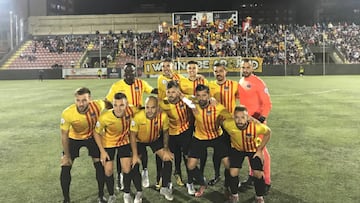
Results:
<point x="303" y="94"/>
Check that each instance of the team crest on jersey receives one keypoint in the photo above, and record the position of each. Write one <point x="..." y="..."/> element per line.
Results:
<point x="266" y="90"/>
<point x="133" y="123"/>
<point x="164" y="82"/>
<point x="248" y="86"/>
<point x="97" y="124"/>
<point x="62" y="121"/>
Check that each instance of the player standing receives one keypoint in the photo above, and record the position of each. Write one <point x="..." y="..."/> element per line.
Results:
<point x="256" y="98"/>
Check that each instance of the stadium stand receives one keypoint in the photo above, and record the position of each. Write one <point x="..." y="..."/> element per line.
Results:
<point x="266" y="41"/>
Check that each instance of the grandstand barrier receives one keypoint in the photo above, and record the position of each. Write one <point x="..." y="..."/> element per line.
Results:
<point x="30" y="74"/>
<point x="268" y="70"/>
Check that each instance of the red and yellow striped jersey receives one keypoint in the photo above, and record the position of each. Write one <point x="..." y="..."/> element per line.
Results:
<point x="245" y="140"/>
<point x="178" y="116"/>
<point x="134" y="92"/>
<point x="148" y="130"/>
<point x="81" y="126"/>
<point x="162" y="83"/>
<point x="115" y="131"/>
<point x="188" y="86"/>
<point x="225" y="93"/>
<point x="207" y="121"/>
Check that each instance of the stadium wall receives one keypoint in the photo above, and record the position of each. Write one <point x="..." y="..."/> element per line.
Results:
<point x="268" y="70"/>
<point x="30" y="74"/>
<point x="89" y="24"/>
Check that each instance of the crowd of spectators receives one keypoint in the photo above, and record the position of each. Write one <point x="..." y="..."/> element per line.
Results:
<point x="265" y="41"/>
<point x="345" y="37"/>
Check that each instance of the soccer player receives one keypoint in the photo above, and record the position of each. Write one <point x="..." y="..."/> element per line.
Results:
<point x="208" y="133"/>
<point x="77" y="127"/>
<point x="245" y="142"/>
<point x="145" y="131"/>
<point x="167" y="75"/>
<point x="256" y="98"/>
<point x="112" y="135"/>
<point x="180" y="133"/>
<point x="225" y="92"/>
<point x="188" y="85"/>
<point x="133" y="88"/>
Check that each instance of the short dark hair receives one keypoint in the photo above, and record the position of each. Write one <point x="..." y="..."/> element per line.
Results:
<point x="167" y="60"/>
<point x="120" y="95"/>
<point x="171" y="84"/>
<point x="82" y="91"/>
<point x="240" y="108"/>
<point x="192" y="62"/>
<point x="201" y="87"/>
<point x="218" y="64"/>
<point x="130" y="65"/>
<point x="247" y="61"/>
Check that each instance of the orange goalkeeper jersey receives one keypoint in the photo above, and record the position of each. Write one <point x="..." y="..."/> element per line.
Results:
<point x="254" y="95"/>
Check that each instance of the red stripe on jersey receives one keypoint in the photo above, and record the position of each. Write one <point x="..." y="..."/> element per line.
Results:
<point x="195" y="84"/>
<point x="132" y="89"/>
<point x="135" y="85"/>
<point x="230" y="108"/>
<point x="96" y="108"/>
<point x="140" y="93"/>
<point x="205" y="122"/>
<point x="180" y="115"/>
<point x="151" y="130"/>
<point x="254" y="136"/>
<point x="88" y="119"/>
<point x="243" y="139"/>
<point x="213" y="123"/>
<point x="91" y="121"/>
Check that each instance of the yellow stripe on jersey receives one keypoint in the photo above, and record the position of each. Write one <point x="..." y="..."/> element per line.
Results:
<point x="133" y="92"/>
<point x="149" y="130"/>
<point x="114" y="130"/>
<point x="178" y="116"/>
<point x="162" y="83"/>
<point x="245" y="140"/>
<point x="225" y="93"/>
<point x="188" y="86"/>
<point x="206" y="126"/>
<point x="81" y="126"/>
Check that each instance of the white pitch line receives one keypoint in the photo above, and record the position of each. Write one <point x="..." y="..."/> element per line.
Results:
<point x="302" y="94"/>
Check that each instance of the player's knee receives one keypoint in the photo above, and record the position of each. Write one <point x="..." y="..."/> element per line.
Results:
<point x="234" y="172"/>
<point x="258" y="174"/>
<point x="108" y="171"/>
<point x="191" y="164"/>
<point x="126" y="168"/>
<point x="226" y="162"/>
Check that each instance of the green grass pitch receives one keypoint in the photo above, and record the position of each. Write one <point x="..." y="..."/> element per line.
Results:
<point x="314" y="148"/>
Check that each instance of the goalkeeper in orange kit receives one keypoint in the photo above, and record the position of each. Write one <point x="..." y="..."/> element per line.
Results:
<point x="256" y="98"/>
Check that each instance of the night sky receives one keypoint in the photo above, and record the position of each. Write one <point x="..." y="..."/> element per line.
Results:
<point x="136" y="6"/>
<point x="304" y="9"/>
